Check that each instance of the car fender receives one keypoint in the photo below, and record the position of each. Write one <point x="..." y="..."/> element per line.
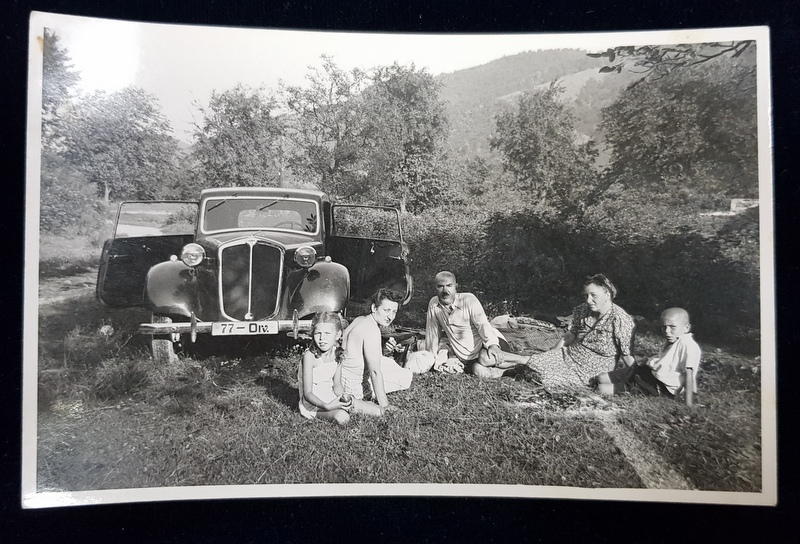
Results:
<point x="171" y="289"/>
<point x="323" y="286"/>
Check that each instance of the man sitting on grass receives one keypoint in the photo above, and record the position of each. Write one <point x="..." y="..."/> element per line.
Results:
<point x="474" y="342"/>
<point x="667" y="373"/>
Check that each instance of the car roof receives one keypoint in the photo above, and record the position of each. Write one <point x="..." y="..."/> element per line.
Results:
<point x="280" y="192"/>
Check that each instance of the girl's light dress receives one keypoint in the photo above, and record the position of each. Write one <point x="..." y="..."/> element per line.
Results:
<point x="322" y="387"/>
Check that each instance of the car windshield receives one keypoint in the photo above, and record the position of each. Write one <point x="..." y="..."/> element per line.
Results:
<point x="239" y="213"/>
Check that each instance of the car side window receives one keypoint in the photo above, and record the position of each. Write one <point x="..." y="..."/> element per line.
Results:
<point x="137" y="219"/>
<point x="366" y="222"/>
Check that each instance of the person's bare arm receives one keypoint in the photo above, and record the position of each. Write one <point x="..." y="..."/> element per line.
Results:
<point x="629" y="360"/>
<point x="572" y="334"/>
<point x="566" y="340"/>
<point x="338" y="388"/>
<point x="689" y="379"/>
<point x="623" y="331"/>
<point x="371" y="340"/>
<point x="496" y="356"/>
<point x="691" y="362"/>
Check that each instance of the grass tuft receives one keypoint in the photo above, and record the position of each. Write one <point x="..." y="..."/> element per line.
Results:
<point x="117" y="378"/>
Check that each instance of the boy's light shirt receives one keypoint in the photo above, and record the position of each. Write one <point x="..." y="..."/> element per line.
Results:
<point x="671" y="364"/>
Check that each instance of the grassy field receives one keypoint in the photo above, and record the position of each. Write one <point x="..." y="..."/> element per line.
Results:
<point x="110" y="418"/>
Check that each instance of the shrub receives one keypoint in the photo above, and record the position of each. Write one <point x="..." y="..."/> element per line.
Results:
<point x="445" y="239"/>
<point x="67" y="201"/>
<point x="711" y="270"/>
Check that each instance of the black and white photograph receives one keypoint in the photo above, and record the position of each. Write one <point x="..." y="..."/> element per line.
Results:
<point x="284" y="263"/>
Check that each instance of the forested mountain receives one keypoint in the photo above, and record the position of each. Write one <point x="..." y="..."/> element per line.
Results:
<point x="475" y="95"/>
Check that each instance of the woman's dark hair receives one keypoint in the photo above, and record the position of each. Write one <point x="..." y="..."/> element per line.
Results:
<point x="385" y="293"/>
<point x="601" y="280"/>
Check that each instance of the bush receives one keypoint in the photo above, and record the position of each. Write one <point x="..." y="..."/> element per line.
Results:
<point x="445" y="239"/>
<point x="710" y="270"/>
<point x="67" y="202"/>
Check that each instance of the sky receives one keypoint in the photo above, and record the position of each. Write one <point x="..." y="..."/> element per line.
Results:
<point x="181" y="64"/>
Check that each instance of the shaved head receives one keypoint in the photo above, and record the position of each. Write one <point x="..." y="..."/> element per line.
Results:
<point x="677" y="313"/>
<point x="445" y="275"/>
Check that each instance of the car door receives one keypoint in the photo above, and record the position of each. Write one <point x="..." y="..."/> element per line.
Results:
<point x="145" y="234"/>
<point x="368" y="240"/>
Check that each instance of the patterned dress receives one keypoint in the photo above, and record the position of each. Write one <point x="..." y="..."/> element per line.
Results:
<point x="596" y="348"/>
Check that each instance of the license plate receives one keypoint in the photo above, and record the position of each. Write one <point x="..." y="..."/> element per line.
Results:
<point x="253" y="327"/>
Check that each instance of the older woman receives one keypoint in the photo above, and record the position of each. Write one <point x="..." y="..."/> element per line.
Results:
<point x="601" y="332"/>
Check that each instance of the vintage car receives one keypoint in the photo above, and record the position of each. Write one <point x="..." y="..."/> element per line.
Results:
<point x="247" y="261"/>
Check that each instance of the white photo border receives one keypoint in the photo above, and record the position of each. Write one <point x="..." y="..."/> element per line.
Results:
<point x="31" y="498"/>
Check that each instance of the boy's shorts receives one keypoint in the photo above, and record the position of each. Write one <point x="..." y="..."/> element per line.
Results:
<point x="637" y="379"/>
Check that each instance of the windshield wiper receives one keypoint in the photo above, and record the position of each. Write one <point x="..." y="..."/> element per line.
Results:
<point x="265" y="206"/>
<point x="220" y="203"/>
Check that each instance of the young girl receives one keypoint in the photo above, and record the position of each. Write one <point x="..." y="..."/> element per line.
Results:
<point x="319" y="378"/>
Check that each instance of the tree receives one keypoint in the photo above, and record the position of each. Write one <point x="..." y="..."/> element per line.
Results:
<point x="409" y="125"/>
<point x="660" y="60"/>
<point x="67" y="200"/>
<point x="694" y="129"/>
<point x="541" y="150"/>
<point x="328" y="132"/>
<point x="239" y="140"/>
<point x="122" y="143"/>
<point x="58" y="84"/>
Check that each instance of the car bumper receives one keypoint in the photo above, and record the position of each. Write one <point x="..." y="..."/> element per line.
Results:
<point x="207" y="327"/>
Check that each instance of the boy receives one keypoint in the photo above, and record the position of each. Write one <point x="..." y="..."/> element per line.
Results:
<point x="667" y="373"/>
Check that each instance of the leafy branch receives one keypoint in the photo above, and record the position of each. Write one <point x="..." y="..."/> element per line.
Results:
<point x="659" y="60"/>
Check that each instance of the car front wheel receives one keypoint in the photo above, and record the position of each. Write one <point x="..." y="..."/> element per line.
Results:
<point x="162" y="345"/>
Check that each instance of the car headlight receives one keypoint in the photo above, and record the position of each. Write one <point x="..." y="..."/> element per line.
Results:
<point x="305" y="256"/>
<point x="192" y="254"/>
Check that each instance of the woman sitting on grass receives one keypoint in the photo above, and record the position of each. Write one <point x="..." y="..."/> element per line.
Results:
<point x="362" y="348"/>
<point x="601" y="332"/>
<point x="319" y="375"/>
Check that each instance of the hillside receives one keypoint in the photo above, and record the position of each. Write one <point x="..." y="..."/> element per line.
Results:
<point x="475" y="95"/>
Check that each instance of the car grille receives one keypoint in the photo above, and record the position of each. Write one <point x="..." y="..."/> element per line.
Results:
<point x="250" y="273"/>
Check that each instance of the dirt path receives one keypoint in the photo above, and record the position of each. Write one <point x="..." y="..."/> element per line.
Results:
<point x="59" y="289"/>
<point x="654" y="471"/>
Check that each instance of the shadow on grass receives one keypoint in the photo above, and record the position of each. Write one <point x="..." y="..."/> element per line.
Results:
<point x="279" y="390"/>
